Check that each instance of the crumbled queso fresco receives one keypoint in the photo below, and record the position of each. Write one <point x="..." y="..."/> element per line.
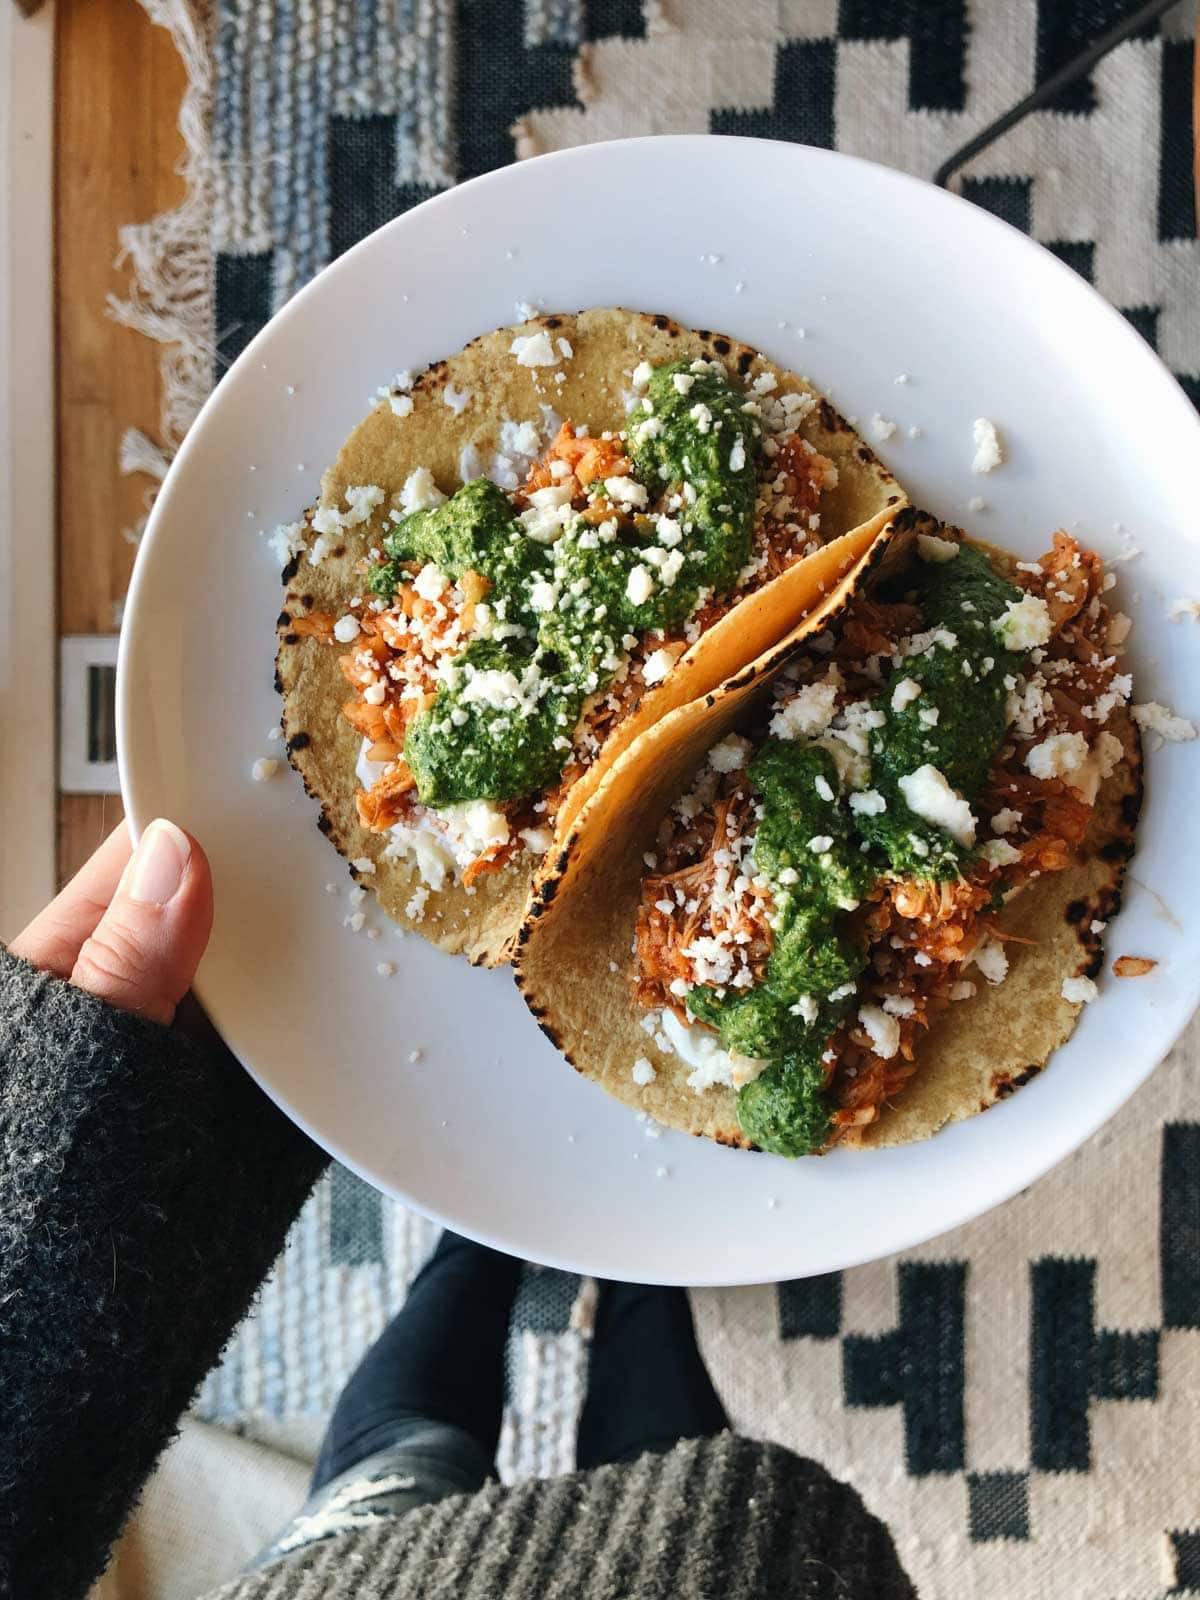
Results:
<point x="989" y="451"/>
<point x="506" y="623"/>
<point x="1079" y="990"/>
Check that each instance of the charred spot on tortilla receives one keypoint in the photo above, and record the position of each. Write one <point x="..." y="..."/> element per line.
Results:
<point x="1007" y="1084"/>
<point x="298" y="741"/>
<point x="547" y="1028"/>
<point x="1108" y="901"/>
<point x="735" y="1141"/>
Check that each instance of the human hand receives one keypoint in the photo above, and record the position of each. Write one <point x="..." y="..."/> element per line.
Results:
<point x="130" y="927"/>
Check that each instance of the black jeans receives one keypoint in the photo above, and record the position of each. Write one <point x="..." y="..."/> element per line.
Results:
<point x="420" y="1416"/>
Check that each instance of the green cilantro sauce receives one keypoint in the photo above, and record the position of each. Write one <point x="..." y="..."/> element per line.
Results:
<point x="784" y="1109"/>
<point x="821" y="858"/>
<point x="506" y="734"/>
<point x="675" y="444"/>
<point x="970" y="704"/>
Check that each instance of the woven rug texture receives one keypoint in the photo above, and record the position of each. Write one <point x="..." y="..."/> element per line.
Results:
<point x="1020" y="1399"/>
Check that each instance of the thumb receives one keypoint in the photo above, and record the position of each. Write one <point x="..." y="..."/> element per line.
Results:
<point x="146" y="947"/>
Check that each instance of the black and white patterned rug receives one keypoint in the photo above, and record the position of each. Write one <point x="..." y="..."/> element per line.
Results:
<point x="1021" y="1399"/>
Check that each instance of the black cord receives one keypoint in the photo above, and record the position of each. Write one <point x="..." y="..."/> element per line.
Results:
<point x="1077" y="68"/>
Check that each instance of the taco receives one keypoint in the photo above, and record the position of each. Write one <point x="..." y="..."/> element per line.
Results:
<point x="522" y="559"/>
<point x="868" y="899"/>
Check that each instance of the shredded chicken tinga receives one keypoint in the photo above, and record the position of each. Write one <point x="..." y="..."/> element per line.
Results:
<point x="922" y="935"/>
<point x="393" y="668"/>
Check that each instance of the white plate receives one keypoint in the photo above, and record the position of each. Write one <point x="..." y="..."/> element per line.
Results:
<point x="489" y="1131"/>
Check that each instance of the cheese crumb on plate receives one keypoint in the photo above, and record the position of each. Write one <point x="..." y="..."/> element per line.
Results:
<point x="989" y="448"/>
<point x="1079" y="990"/>
<point x="1155" y="718"/>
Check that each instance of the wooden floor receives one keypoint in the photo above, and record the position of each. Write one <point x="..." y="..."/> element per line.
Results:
<point x="119" y="84"/>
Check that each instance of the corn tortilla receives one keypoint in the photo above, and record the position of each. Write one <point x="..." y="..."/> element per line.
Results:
<point x="573" y="963"/>
<point x="384" y="449"/>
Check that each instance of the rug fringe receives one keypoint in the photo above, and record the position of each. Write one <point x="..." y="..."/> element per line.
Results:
<point x="170" y="296"/>
<point x="139" y="453"/>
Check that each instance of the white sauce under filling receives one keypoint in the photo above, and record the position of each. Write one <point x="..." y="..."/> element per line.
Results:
<point x="440" y="843"/>
<point x="711" y="1064"/>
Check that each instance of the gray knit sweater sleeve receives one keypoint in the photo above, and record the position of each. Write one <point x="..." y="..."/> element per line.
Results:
<point x="146" y="1186"/>
<point x="715" y="1519"/>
